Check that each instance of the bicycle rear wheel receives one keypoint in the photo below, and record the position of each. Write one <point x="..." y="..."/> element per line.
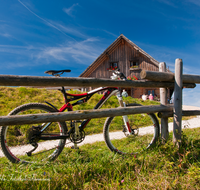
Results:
<point x="145" y="129"/>
<point x="15" y="139"/>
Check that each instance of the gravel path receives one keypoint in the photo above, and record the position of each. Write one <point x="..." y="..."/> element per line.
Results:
<point x="192" y="123"/>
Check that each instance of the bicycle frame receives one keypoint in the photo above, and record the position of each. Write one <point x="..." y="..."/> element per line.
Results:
<point x="84" y="98"/>
<point x="28" y="138"/>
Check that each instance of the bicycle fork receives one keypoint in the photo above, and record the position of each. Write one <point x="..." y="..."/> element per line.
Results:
<point x="127" y="129"/>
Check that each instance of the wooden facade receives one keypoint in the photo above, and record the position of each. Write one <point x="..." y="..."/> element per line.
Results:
<point x="129" y="58"/>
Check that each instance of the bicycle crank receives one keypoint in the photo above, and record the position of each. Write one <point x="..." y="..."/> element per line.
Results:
<point x="77" y="138"/>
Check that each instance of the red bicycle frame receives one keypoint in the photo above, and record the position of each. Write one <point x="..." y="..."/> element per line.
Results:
<point x="82" y="98"/>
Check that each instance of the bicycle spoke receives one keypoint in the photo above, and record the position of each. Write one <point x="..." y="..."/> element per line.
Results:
<point x="16" y="140"/>
<point x="144" y="133"/>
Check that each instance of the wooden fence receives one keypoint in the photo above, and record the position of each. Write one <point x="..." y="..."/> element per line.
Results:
<point x="177" y="113"/>
<point x="160" y="80"/>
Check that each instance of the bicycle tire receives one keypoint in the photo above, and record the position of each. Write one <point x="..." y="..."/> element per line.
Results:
<point x="14" y="140"/>
<point x="114" y="130"/>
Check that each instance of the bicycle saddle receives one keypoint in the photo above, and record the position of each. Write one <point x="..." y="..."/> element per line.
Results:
<point x="57" y="72"/>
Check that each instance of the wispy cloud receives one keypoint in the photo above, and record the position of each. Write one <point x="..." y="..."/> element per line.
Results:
<point x="81" y="52"/>
<point x="6" y="35"/>
<point x="19" y="52"/>
<point x="70" y="10"/>
<point x="167" y="2"/>
<point x="73" y="31"/>
<point x="17" y="65"/>
<point x="111" y="33"/>
<point x="44" y="20"/>
<point x="196" y="2"/>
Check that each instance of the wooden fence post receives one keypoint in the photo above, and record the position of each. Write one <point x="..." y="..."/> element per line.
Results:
<point x="163" y="101"/>
<point x="178" y="102"/>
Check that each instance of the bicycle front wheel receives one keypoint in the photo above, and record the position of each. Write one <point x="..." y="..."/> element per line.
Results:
<point x="145" y="132"/>
<point x="15" y="139"/>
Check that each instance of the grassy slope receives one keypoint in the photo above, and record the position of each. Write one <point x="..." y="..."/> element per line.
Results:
<point x="10" y="98"/>
<point x="95" y="167"/>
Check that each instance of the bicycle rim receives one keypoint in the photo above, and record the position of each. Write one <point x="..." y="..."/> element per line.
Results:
<point x="117" y="138"/>
<point x="15" y="139"/>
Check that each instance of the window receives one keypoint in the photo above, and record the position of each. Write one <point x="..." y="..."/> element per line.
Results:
<point x="150" y="92"/>
<point x="134" y="64"/>
<point x="113" y="66"/>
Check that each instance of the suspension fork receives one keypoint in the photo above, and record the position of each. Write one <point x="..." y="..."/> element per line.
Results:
<point x="125" y="117"/>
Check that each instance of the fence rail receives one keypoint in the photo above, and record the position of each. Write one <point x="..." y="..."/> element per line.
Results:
<point x="164" y="76"/>
<point x="184" y="113"/>
<point x="81" y="114"/>
<point x="14" y="80"/>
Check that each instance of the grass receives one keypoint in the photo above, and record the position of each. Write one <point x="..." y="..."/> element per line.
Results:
<point x="93" y="166"/>
<point x="10" y="98"/>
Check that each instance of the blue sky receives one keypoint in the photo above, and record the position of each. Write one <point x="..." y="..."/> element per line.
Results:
<point x="36" y="36"/>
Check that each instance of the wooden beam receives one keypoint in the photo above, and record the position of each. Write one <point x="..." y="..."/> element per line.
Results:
<point x="163" y="101"/>
<point x="156" y="76"/>
<point x="162" y="76"/>
<point x="184" y="113"/>
<point x="15" y="80"/>
<point x="177" y="123"/>
<point x="79" y="115"/>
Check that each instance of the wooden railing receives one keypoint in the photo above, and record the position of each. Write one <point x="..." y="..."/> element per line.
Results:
<point x="160" y="79"/>
<point x="178" y="78"/>
<point x="81" y="114"/>
<point x="14" y="80"/>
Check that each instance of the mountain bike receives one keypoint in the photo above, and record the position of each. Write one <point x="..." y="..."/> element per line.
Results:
<point x="45" y="141"/>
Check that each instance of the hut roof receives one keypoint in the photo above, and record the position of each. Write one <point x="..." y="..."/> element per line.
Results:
<point x="110" y="49"/>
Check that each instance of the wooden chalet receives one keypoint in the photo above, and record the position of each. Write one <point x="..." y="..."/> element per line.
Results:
<point x="130" y="59"/>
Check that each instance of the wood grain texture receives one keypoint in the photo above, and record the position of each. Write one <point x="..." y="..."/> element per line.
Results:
<point x="78" y="115"/>
<point x="163" y="101"/>
<point x="163" y="76"/>
<point x="15" y="80"/>
<point x="177" y="123"/>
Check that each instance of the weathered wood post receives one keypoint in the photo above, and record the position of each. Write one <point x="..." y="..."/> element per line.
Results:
<point x="163" y="101"/>
<point x="178" y="102"/>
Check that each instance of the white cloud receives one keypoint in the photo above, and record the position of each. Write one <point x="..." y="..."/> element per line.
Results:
<point x="111" y="33"/>
<point x="82" y="52"/>
<point x="70" y="10"/>
<point x="167" y="2"/>
<point x="69" y="30"/>
<point x="5" y="35"/>
<point x="18" y="50"/>
<point x="16" y="65"/>
<point x="196" y="2"/>
<point x="45" y="21"/>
